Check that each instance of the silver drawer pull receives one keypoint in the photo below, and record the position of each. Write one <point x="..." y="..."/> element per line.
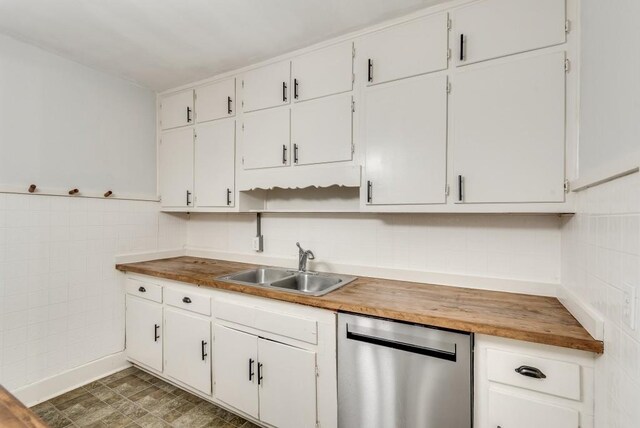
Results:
<point x="531" y="372"/>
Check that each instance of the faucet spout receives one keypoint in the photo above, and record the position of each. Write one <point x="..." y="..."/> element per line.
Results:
<point x="303" y="257"/>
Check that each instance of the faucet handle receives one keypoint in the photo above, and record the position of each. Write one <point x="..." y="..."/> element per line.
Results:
<point x="310" y="255"/>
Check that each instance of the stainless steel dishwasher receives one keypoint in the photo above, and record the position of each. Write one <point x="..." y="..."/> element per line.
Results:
<point x="399" y="375"/>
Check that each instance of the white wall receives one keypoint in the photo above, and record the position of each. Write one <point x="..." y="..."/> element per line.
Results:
<point x="601" y="243"/>
<point x="609" y="125"/>
<point x="63" y="125"/>
<point x="519" y="247"/>
<point x="61" y="300"/>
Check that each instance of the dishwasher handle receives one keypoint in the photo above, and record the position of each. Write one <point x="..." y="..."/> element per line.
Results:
<point x="402" y="346"/>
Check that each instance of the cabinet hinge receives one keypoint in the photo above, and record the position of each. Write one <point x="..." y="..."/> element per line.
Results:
<point x="243" y="83"/>
<point x="353" y="148"/>
<point x="446" y="190"/>
<point x="195" y="95"/>
<point x="567" y="186"/>
<point x="567" y="26"/>
<point x="449" y="53"/>
<point x="317" y="372"/>
<point x="353" y="106"/>
<point x="353" y="77"/>
<point x="243" y="126"/>
<point x="567" y="65"/>
<point x="242" y="160"/>
<point x="195" y="135"/>
<point x="353" y="51"/>
<point x="242" y="103"/>
<point x="448" y="23"/>
<point x="448" y="87"/>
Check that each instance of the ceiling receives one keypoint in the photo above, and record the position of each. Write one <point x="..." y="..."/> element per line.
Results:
<point x="166" y="43"/>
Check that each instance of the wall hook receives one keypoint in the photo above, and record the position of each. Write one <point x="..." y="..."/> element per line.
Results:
<point x="108" y="193"/>
<point x="73" y="191"/>
<point x="32" y="188"/>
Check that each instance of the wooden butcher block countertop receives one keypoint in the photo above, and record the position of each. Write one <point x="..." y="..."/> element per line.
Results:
<point x="14" y="414"/>
<point x="515" y="316"/>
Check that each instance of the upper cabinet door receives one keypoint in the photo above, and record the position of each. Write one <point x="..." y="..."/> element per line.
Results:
<point x="494" y="28"/>
<point x="235" y="369"/>
<point x="266" y="139"/>
<point x="405" y="133"/>
<point x="322" y="130"/>
<point x="187" y="349"/>
<point x="176" y="168"/>
<point x="215" y="163"/>
<point x="510" y="149"/>
<point x="404" y="50"/>
<point x="323" y="72"/>
<point x="177" y="110"/>
<point x="216" y="101"/>
<point x="267" y="86"/>
<point x="287" y="378"/>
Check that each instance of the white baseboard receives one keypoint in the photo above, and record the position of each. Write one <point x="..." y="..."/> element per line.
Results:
<point x="438" y="278"/>
<point x="51" y="387"/>
<point x="585" y="314"/>
<point x="150" y="255"/>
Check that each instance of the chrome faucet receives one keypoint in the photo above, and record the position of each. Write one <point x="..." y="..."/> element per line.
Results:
<point x="303" y="256"/>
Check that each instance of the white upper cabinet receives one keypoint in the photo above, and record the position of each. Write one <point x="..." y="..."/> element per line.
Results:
<point x="323" y="72"/>
<point x="216" y="101"/>
<point x="177" y="110"/>
<point x="287" y="379"/>
<point x="508" y="131"/>
<point x="267" y="86"/>
<point x="188" y="349"/>
<point x="215" y="163"/>
<point x="266" y="139"/>
<point x="405" y="131"/>
<point x="322" y="130"/>
<point x="494" y="28"/>
<point x="176" y="168"/>
<point x="404" y="50"/>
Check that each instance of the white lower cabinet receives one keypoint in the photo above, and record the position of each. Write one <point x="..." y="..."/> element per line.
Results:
<point x="271" y="381"/>
<point x="188" y="349"/>
<point x="234" y="366"/>
<point x="526" y="385"/>
<point x="511" y="411"/>
<point x="144" y="332"/>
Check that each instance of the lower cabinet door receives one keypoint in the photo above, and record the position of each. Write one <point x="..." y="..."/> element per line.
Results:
<point x="287" y="378"/>
<point x="144" y="332"/>
<point x="510" y="411"/>
<point x="235" y="367"/>
<point x="188" y="349"/>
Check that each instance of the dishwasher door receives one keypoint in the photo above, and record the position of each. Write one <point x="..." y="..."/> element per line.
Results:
<point x="398" y="375"/>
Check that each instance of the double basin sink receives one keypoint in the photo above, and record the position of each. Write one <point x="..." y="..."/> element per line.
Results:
<point x="307" y="283"/>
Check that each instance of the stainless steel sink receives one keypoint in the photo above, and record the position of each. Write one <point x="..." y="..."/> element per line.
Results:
<point x="308" y="283"/>
<point x="263" y="275"/>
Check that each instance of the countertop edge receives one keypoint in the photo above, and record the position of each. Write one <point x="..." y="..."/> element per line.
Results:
<point x="544" y="338"/>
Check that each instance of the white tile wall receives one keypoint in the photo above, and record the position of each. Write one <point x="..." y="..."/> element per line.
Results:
<point x="61" y="304"/>
<point x="601" y="253"/>
<point x="522" y="247"/>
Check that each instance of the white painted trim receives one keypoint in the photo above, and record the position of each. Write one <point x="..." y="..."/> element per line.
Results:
<point x="438" y="278"/>
<point x="621" y="167"/>
<point x="51" y="387"/>
<point x="65" y="193"/>
<point x="150" y="255"/>
<point x="585" y="314"/>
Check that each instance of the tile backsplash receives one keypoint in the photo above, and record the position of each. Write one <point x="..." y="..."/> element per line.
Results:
<point x="61" y="302"/>
<point x="600" y="258"/>
<point x="520" y="247"/>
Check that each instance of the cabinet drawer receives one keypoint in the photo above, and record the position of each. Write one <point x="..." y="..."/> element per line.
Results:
<point x="286" y="325"/>
<point x="562" y="378"/>
<point x="510" y="411"/>
<point x="187" y="300"/>
<point x="145" y="290"/>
